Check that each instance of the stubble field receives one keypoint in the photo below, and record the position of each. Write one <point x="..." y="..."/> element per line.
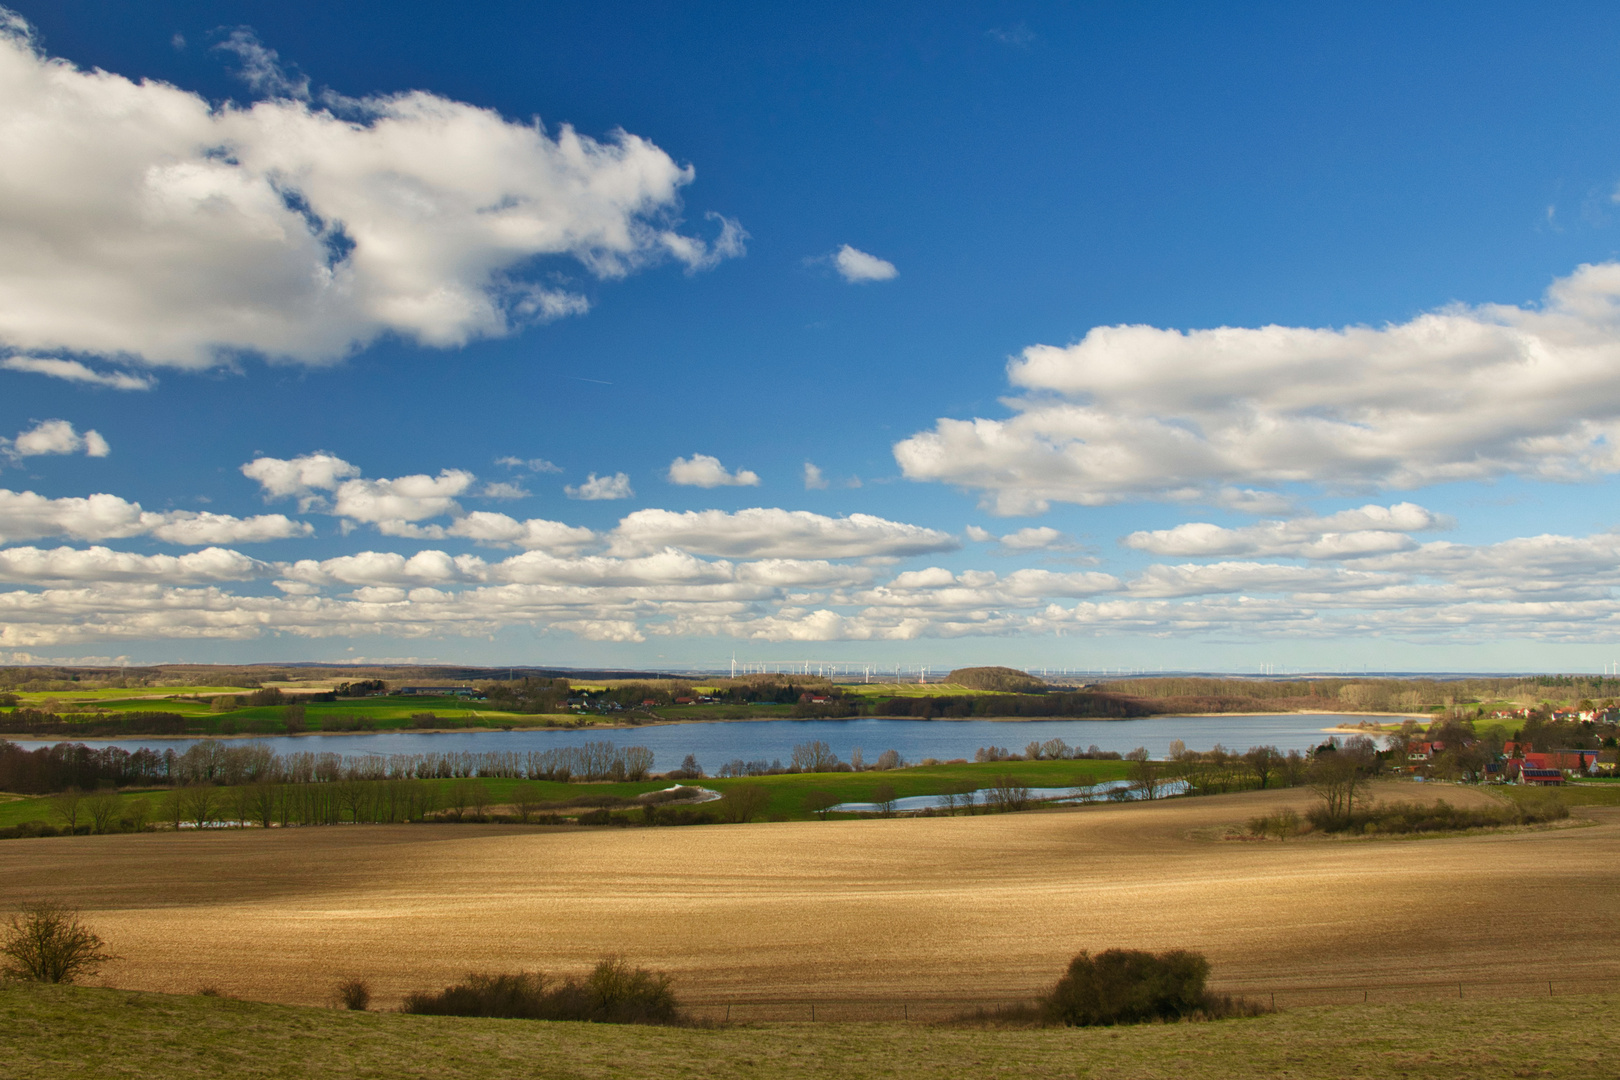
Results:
<point x="967" y="908"/>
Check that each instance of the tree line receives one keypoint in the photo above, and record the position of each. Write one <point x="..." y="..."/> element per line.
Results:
<point x="74" y="765"/>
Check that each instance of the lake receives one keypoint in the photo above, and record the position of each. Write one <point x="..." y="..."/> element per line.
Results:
<point x="751" y="740"/>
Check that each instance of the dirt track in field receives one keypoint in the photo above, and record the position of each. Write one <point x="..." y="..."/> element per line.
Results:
<point x="950" y="907"/>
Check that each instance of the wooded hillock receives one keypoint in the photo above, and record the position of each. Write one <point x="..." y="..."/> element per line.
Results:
<point x="1001" y="680"/>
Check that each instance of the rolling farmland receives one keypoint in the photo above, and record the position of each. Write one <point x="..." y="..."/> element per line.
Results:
<point x="985" y="908"/>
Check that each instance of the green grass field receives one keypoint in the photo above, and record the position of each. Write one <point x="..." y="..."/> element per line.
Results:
<point x="787" y="791"/>
<point x="34" y="697"/>
<point x="66" y="1033"/>
<point x="385" y="712"/>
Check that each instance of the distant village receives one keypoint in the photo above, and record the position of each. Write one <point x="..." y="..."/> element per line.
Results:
<point x="1517" y="762"/>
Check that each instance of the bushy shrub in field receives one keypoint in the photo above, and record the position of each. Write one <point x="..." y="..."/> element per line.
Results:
<point x="46" y="942"/>
<point x="1283" y="824"/>
<point x="354" y="994"/>
<point x="1407" y="817"/>
<point x="1129" y="986"/>
<point x="613" y="993"/>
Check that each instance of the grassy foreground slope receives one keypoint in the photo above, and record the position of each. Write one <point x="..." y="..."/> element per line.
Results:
<point x="67" y="1034"/>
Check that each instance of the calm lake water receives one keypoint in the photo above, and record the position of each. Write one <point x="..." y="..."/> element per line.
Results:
<point x="717" y="743"/>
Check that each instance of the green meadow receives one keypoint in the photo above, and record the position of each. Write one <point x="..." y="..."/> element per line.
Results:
<point x="787" y="792"/>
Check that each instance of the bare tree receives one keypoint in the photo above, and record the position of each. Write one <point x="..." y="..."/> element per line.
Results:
<point x="883" y="797"/>
<point x="820" y="803"/>
<point x="743" y="803"/>
<point x="814" y="756"/>
<point x="103" y="807"/>
<point x="525" y="801"/>
<point x="1008" y="794"/>
<point x="638" y="762"/>
<point x="1033" y="750"/>
<point x="46" y="942"/>
<point x="241" y="803"/>
<point x="263" y="802"/>
<point x="480" y="799"/>
<point x="136" y="814"/>
<point x="963" y="795"/>
<point x="1337" y="774"/>
<point x="457" y="798"/>
<point x="1264" y="762"/>
<point x="68" y="805"/>
<point x="198" y="804"/>
<point x="889" y="759"/>
<point x="1147" y="775"/>
<point x="172" y="807"/>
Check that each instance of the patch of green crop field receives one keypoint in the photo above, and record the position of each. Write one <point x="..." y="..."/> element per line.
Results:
<point x="913" y="690"/>
<point x="128" y="704"/>
<point x="148" y="694"/>
<point x="71" y="1033"/>
<point x="788" y="791"/>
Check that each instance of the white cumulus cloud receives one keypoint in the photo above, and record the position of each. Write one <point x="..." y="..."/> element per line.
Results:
<point x="701" y="470"/>
<point x="596" y="488"/>
<point x="25" y="515"/>
<point x="300" y="477"/>
<point x="771" y="532"/>
<point x="499" y="530"/>
<point x="30" y="565"/>
<point x="1137" y="412"/>
<point x="141" y="221"/>
<point x="1368" y="530"/>
<point x="55" y="437"/>
<point x="403" y="499"/>
<point x="857" y="267"/>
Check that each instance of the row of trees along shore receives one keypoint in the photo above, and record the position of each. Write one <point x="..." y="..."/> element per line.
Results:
<point x="54" y="768"/>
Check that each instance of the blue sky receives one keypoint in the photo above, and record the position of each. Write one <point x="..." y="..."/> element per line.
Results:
<point x="356" y="334"/>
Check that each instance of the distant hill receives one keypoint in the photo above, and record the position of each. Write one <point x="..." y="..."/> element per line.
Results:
<point x="1003" y="680"/>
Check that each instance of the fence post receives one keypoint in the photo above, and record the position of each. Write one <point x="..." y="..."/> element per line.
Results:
<point x="812" y="1011"/>
<point x="1459" y="990"/>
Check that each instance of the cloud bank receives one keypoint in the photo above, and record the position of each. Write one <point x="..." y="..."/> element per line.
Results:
<point x="142" y="222"/>
<point x="25" y="515"/>
<point x="1227" y="416"/>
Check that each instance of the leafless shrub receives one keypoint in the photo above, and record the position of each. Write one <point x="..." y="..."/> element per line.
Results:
<point x="46" y="942"/>
<point x="614" y="993"/>
<point x="354" y="994"/>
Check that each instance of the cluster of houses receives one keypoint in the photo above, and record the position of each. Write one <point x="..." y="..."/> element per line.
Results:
<point x="1604" y="715"/>
<point x="1518" y="764"/>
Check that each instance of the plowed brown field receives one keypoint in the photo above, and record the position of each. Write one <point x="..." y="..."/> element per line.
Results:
<point x="988" y="907"/>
